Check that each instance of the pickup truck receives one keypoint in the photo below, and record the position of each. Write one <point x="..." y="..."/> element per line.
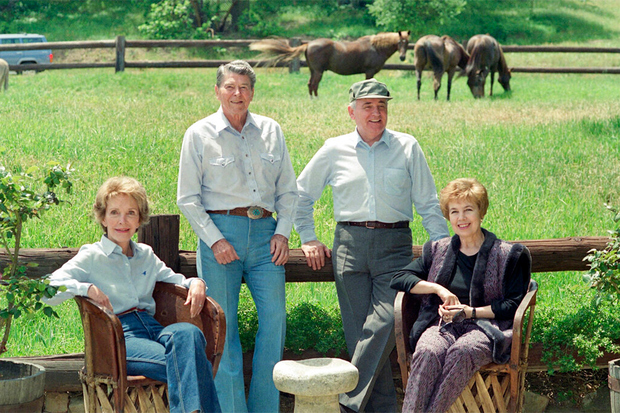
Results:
<point x="21" y="57"/>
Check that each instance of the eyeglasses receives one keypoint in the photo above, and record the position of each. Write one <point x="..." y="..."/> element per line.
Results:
<point x="457" y="318"/>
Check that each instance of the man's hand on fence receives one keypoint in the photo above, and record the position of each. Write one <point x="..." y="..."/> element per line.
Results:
<point x="315" y="252"/>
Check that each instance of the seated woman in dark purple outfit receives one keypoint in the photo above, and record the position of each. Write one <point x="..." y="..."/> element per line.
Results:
<point x="472" y="285"/>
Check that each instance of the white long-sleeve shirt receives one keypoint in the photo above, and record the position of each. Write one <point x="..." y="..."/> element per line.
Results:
<point x="128" y="282"/>
<point x="222" y="169"/>
<point x="370" y="183"/>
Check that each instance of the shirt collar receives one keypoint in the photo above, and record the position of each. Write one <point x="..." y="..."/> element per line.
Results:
<point x="109" y="247"/>
<point x="386" y="138"/>
<point x="222" y="122"/>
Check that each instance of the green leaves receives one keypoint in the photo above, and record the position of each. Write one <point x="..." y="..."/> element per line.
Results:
<point x="604" y="273"/>
<point x="25" y="195"/>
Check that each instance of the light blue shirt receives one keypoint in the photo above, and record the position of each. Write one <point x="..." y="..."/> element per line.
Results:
<point x="128" y="282"/>
<point x="222" y="169"/>
<point x="370" y="183"/>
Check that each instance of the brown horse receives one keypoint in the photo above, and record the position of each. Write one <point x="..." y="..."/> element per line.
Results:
<point x="485" y="55"/>
<point x="441" y="54"/>
<point x="365" y="55"/>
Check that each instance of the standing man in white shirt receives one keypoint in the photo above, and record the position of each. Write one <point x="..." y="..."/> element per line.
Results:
<point x="234" y="173"/>
<point x="376" y="176"/>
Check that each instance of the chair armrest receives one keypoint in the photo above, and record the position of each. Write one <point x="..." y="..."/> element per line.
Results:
<point x="521" y="344"/>
<point x="406" y="308"/>
<point x="171" y="308"/>
<point x="104" y="342"/>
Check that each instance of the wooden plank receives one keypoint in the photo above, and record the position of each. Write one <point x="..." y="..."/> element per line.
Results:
<point x="56" y="66"/>
<point x="559" y="49"/>
<point x="548" y="255"/>
<point x="583" y="70"/>
<point x="62" y="369"/>
<point x="162" y="234"/>
<point x="95" y="44"/>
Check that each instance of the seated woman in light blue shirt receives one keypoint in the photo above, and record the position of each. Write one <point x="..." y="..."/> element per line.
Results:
<point x="120" y="275"/>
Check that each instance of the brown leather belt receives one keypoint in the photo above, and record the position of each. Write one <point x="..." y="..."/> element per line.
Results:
<point x="253" y="212"/>
<point x="377" y="224"/>
<point x="131" y="310"/>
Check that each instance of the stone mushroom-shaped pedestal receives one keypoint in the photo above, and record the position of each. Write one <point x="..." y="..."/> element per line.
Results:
<point x="316" y="383"/>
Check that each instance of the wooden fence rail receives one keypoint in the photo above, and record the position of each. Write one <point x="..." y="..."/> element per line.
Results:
<point x="120" y="44"/>
<point x="162" y="233"/>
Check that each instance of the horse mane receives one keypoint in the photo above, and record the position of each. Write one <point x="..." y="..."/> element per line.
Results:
<point x="502" y="66"/>
<point x="384" y="40"/>
<point x="474" y="59"/>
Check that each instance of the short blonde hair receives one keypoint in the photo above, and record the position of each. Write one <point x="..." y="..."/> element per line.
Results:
<point x="120" y="185"/>
<point x="464" y="189"/>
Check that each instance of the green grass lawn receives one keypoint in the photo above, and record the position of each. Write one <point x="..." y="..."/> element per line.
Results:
<point x="549" y="154"/>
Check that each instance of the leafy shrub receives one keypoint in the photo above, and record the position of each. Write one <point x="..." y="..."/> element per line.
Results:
<point x="176" y="19"/>
<point x="580" y="323"/>
<point x="414" y="15"/>
<point x="308" y="326"/>
<point x="604" y="273"/>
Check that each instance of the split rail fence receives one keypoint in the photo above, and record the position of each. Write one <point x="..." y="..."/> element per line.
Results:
<point x="120" y="44"/>
<point x="162" y="233"/>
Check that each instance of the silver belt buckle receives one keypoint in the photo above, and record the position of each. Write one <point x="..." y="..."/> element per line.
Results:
<point x="255" y="212"/>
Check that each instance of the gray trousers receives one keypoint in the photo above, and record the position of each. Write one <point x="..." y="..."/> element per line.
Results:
<point x="364" y="261"/>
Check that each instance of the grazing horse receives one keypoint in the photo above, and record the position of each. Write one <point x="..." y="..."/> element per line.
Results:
<point x="4" y="74"/>
<point x="485" y="55"/>
<point x="441" y="54"/>
<point x="365" y="55"/>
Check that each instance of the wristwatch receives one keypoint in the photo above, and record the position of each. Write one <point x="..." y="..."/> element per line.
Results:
<point x="473" y="312"/>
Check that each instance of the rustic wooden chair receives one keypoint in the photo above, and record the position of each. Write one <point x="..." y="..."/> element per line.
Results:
<point x="495" y="387"/>
<point x="105" y="383"/>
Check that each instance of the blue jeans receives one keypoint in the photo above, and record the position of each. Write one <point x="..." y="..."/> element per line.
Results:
<point x="174" y="354"/>
<point x="251" y="239"/>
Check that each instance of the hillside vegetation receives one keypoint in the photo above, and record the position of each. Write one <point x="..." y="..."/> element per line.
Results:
<point x="510" y="21"/>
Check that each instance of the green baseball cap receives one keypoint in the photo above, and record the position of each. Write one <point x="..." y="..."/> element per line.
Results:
<point x="369" y="89"/>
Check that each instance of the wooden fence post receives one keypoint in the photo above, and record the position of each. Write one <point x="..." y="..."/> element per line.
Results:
<point x="296" y="62"/>
<point x="120" y="54"/>
<point x="162" y="234"/>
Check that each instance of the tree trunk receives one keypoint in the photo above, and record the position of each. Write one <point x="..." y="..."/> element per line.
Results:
<point x="196" y="5"/>
<point x="236" y="10"/>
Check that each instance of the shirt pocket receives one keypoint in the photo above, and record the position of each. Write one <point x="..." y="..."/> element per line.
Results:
<point x="394" y="181"/>
<point x="222" y="161"/>
<point x="271" y="158"/>
<point x="270" y="167"/>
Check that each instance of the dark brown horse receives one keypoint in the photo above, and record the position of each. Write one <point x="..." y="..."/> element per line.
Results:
<point x="441" y="54"/>
<point x="365" y="55"/>
<point x="485" y="55"/>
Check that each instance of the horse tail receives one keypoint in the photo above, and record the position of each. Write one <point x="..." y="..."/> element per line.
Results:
<point x="436" y="62"/>
<point x="277" y="50"/>
<point x="464" y="56"/>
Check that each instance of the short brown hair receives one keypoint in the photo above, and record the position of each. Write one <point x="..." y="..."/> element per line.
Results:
<point x="461" y="189"/>
<point x="120" y="185"/>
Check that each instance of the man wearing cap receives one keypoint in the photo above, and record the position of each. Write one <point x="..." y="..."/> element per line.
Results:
<point x="235" y="171"/>
<point x="376" y="175"/>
